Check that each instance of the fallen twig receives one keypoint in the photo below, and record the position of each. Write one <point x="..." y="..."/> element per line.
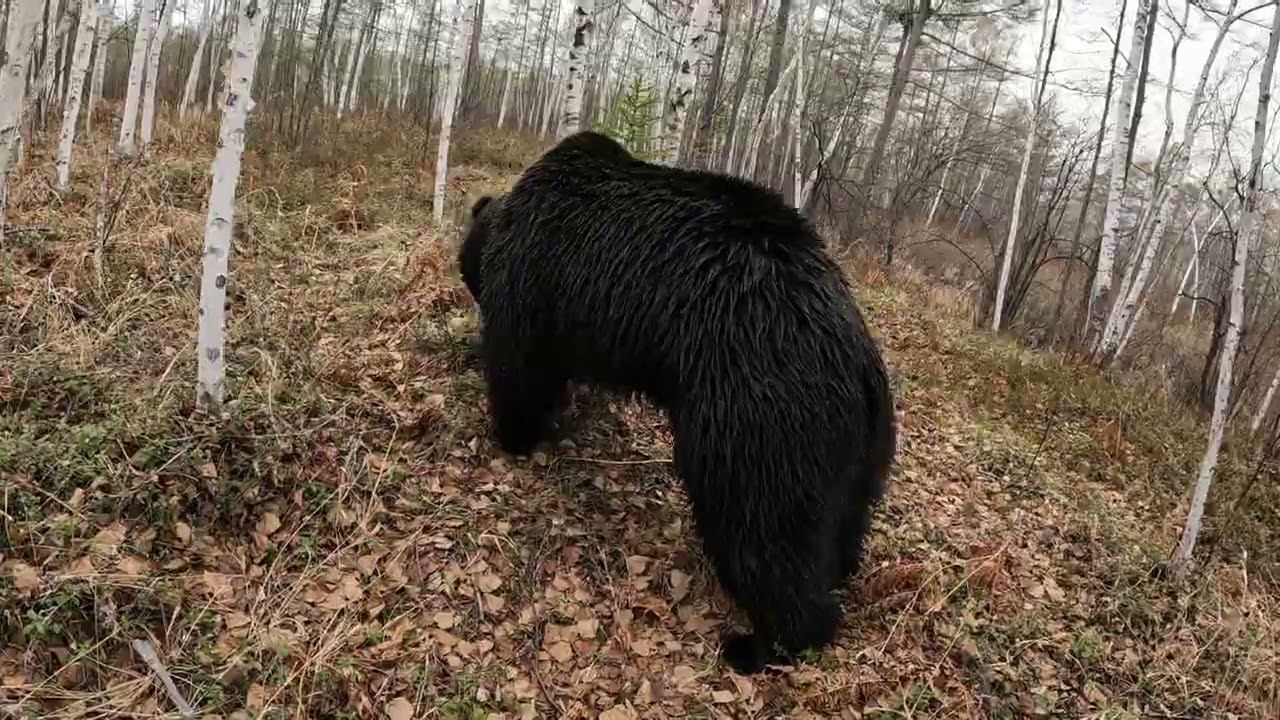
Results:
<point x="149" y="656"/>
<point x="651" y="461"/>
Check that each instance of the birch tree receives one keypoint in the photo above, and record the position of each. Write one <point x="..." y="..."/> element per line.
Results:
<point x="1222" y="397"/>
<point x="137" y="66"/>
<point x="1033" y="124"/>
<point x="459" y="19"/>
<point x="1120" y="130"/>
<point x="99" y="62"/>
<point x="691" y="52"/>
<point x="1265" y="405"/>
<point x="24" y="15"/>
<point x="579" y="56"/>
<point x="197" y="62"/>
<point x="220" y="221"/>
<point x="920" y="15"/>
<point x="1122" y="315"/>
<point x="75" y="90"/>
<point x="152" y="77"/>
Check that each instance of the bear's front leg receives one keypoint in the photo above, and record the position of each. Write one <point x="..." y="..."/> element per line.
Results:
<point x="524" y="403"/>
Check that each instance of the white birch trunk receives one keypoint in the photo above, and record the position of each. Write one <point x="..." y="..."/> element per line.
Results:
<point x="216" y="66"/>
<point x="937" y="197"/>
<point x="75" y="91"/>
<point x="197" y="63"/>
<point x="1115" y="187"/>
<point x="1265" y="405"/>
<point x="575" y="80"/>
<point x="1122" y="314"/>
<point x="1186" y="275"/>
<point x="691" y="53"/>
<point x="344" y="71"/>
<point x="353" y="87"/>
<point x="211" y="346"/>
<point x="555" y="93"/>
<point x="1033" y="124"/>
<point x="99" y="62"/>
<point x="506" y="98"/>
<point x="797" y="111"/>
<point x="827" y="150"/>
<point x="45" y="78"/>
<point x="756" y="136"/>
<point x="152" y="77"/>
<point x="137" y="66"/>
<point x="459" y="22"/>
<point x="24" y="16"/>
<point x="1221" y="402"/>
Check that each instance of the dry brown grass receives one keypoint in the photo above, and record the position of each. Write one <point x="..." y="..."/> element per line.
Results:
<point x="346" y="542"/>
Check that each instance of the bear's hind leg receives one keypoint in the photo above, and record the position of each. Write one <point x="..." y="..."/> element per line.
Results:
<point x="854" y="522"/>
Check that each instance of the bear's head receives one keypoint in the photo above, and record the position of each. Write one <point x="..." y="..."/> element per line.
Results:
<point x="475" y="237"/>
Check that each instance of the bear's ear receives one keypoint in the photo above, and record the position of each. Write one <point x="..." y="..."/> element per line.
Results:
<point x="480" y="205"/>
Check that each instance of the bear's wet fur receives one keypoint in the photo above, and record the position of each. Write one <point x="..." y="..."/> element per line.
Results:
<point x="713" y="297"/>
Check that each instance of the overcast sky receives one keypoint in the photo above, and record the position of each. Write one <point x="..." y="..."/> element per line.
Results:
<point x="1084" y="52"/>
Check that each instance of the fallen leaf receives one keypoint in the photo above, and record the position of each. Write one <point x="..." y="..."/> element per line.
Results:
<point x="209" y="470"/>
<point x="679" y="585"/>
<point x="636" y="564"/>
<point x="130" y="565"/>
<point x="1054" y="590"/>
<point x="183" y="532"/>
<point x="721" y="696"/>
<point x="25" y="577"/>
<point x="561" y="652"/>
<point x="683" y="674"/>
<point x="268" y="523"/>
<point x="82" y="567"/>
<point x="108" y="539"/>
<point x="256" y="698"/>
<point x="400" y="709"/>
<point x="350" y="588"/>
<point x="444" y="620"/>
<point x="618" y="712"/>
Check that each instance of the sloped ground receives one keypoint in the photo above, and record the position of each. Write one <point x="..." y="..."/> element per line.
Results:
<point x="347" y="543"/>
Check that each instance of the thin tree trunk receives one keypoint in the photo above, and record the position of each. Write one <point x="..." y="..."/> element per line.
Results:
<point x="24" y="17"/>
<point x="75" y="91"/>
<point x="710" y="106"/>
<point x="458" y="15"/>
<point x="471" y="75"/>
<point x="367" y="39"/>
<point x="870" y="174"/>
<point x="1044" y="59"/>
<point x="691" y="53"/>
<point x="99" y="62"/>
<point x="775" y="51"/>
<point x="756" y="135"/>
<point x="1115" y="189"/>
<point x="211" y="345"/>
<point x="796" y="144"/>
<point x="740" y="88"/>
<point x="1141" y="100"/>
<point x="1161" y="205"/>
<point x="152" y="78"/>
<point x="1221" y="405"/>
<point x="1087" y="201"/>
<point x="579" y="56"/>
<point x="137" y="67"/>
<point x="1265" y="405"/>
<point x="193" y="75"/>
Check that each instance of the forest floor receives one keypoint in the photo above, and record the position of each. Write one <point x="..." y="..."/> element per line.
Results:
<point x="346" y="542"/>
